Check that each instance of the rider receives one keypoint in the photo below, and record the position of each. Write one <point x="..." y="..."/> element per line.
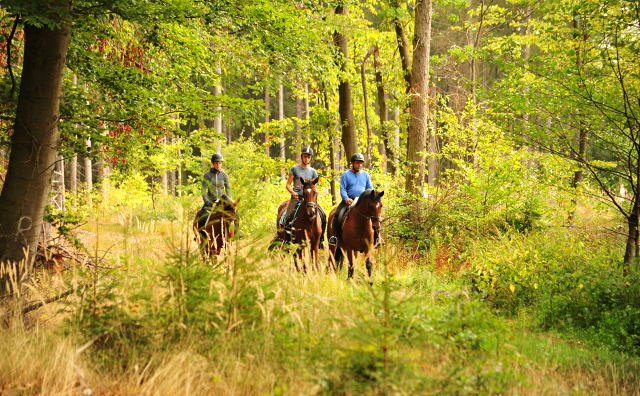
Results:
<point x="353" y="182"/>
<point x="304" y="171"/>
<point x="214" y="184"/>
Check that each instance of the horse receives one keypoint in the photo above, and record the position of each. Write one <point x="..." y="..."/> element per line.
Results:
<point x="358" y="231"/>
<point x="219" y="228"/>
<point x="307" y="227"/>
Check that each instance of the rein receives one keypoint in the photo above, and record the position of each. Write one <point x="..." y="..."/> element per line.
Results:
<point x="367" y="216"/>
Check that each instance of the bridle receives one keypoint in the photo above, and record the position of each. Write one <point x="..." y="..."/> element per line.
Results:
<point x="313" y="205"/>
<point x="368" y="215"/>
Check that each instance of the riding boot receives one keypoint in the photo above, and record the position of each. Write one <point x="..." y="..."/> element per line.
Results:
<point x="333" y="241"/>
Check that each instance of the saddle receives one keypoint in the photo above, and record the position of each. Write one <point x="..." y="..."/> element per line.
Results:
<point x="343" y="215"/>
<point x="204" y="215"/>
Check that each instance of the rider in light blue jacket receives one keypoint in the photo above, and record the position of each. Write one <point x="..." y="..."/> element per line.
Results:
<point x="353" y="183"/>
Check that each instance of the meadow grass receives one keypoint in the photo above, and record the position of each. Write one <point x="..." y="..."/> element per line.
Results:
<point x="159" y="319"/>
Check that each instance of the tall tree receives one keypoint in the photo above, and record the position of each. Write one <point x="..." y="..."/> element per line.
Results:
<point x="345" y="104"/>
<point x="34" y="144"/>
<point x="418" y="125"/>
<point x="387" y="139"/>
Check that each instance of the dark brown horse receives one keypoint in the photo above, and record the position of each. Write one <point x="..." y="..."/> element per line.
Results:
<point x="358" y="231"/>
<point x="307" y="226"/>
<point x="219" y="227"/>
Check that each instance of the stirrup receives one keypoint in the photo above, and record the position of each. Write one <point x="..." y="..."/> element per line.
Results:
<point x="379" y="242"/>
<point x="333" y="241"/>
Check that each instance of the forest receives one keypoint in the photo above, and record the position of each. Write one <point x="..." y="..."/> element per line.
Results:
<point x="500" y="243"/>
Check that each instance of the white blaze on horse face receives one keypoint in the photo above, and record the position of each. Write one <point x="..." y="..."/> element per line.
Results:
<point x="309" y="190"/>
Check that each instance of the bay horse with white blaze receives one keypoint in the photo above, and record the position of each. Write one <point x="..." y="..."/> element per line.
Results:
<point x="219" y="227"/>
<point x="358" y="231"/>
<point x="307" y="225"/>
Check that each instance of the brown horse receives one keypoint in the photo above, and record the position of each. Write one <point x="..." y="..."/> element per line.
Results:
<point x="219" y="228"/>
<point x="307" y="226"/>
<point x="358" y="231"/>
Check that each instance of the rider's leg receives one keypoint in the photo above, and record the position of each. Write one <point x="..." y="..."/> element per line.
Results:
<point x="335" y="225"/>
<point x="288" y="226"/>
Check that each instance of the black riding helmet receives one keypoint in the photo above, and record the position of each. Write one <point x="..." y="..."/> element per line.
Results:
<point x="217" y="157"/>
<point x="357" y="157"/>
<point x="307" y="150"/>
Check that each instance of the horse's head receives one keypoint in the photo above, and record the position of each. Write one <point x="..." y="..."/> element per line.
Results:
<point x="228" y="206"/>
<point x="310" y="195"/>
<point x="373" y="201"/>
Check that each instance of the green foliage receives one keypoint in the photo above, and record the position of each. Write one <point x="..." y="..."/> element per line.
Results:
<point x="569" y="281"/>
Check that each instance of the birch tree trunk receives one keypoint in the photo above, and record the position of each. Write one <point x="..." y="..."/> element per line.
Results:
<point x="418" y="126"/>
<point x="61" y="186"/>
<point x="74" y="174"/>
<point x="266" y="119"/>
<point x="34" y="149"/>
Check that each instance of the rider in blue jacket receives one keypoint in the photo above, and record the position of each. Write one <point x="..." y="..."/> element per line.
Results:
<point x="353" y="183"/>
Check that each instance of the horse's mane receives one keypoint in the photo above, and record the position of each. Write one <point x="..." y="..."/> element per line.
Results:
<point x="368" y="194"/>
<point x="227" y="201"/>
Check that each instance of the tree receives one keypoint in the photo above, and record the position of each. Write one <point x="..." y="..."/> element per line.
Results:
<point x="418" y="124"/>
<point x="584" y="78"/>
<point x="345" y="107"/>
<point x="34" y="144"/>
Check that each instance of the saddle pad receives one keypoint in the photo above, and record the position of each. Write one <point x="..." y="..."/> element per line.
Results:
<point x="284" y="214"/>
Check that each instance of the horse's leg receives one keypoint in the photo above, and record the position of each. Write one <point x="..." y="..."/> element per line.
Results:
<point x="351" y="256"/>
<point x="369" y="264"/>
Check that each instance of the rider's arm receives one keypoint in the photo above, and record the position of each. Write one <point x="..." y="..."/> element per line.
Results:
<point x="227" y="186"/>
<point x="369" y="185"/>
<point x="343" y="187"/>
<point x="289" y="188"/>
<point x="205" y="189"/>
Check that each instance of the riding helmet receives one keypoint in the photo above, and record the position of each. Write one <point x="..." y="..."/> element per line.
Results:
<point x="307" y="150"/>
<point x="357" y="157"/>
<point x="217" y="157"/>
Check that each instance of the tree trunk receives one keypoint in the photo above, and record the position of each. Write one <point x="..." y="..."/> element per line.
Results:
<point x="217" y="122"/>
<point x="403" y="49"/>
<point x="73" y="182"/>
<point x="34" y="149"/>
<point x="88" y="177"/>
<point x="61" y="186"/>
<point x="347" y="120"/>
<point x="307" y="138"/>
<point x="432" y="151"/>
<point x="366" y="104"/>
<point x="583" y="136"/>
<point x="298" y="142"/>
<point x="266" y="119"/>
<point x="418" y="126"/>
<point x="389" y="150"/>
<point x="283" y="157"/>
<point x="332" y="150"/>
<point x="632" y="223"/>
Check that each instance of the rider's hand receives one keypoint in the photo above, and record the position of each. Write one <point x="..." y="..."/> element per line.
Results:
<point x="295" y="195"/>
<point x="349" y="201"/>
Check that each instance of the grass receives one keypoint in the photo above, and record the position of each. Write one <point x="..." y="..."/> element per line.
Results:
<point x="164" y="322"/>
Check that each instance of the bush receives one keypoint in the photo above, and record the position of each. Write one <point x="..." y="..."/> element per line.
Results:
<point x="569" y="281"/>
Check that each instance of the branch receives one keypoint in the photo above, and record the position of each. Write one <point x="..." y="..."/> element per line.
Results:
<point x="8" y="49"/>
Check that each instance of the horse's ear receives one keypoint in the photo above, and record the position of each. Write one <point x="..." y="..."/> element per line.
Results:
<point x="381" y="194"/>
<point x="315" y="181"/>
<point x="303" y="181"/>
